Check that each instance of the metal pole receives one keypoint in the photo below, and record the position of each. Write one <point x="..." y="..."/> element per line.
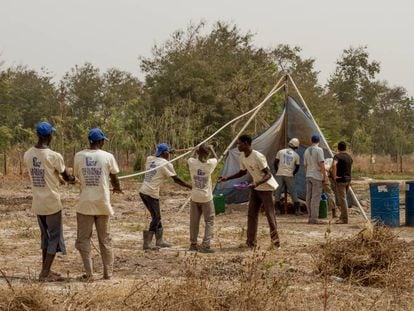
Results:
<point x="285" y="121"/>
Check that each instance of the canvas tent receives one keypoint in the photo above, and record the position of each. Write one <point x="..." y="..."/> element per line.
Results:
<point x="295" y="121"/>
<point x="299" y="124"/>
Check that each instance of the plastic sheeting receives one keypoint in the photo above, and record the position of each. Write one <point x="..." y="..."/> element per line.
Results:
<point x="300" y="125"/>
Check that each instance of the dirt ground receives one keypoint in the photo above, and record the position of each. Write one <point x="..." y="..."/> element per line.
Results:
<point x="294" y="262"/>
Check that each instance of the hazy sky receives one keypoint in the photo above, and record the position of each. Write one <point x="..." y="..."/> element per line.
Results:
<point x="58" y="34"/>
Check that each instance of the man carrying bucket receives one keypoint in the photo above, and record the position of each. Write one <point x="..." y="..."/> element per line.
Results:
<point x="201" y="169"/>
<point x="261" y="189"/>
<point x="315" y="178"/>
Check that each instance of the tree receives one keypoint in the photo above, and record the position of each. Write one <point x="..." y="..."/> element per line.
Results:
<point x="353" y="87"/>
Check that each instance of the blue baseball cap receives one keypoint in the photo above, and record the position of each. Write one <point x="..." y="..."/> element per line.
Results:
<point x="44" y="129"/>
<point x="96" y="134"/>
<point x="315" y="139"/>
<point x="161" y="148"/>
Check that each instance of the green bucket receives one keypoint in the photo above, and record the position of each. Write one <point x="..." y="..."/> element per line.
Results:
<point x="323" y="209"/>
<point x="219" y="203"/>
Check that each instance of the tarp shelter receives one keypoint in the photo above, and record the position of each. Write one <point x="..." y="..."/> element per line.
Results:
<point x="299" y="124"/>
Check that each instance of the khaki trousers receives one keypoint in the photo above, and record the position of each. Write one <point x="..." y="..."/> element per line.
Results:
<point x="313" y="197"/>
<point x="196" y="210"/>
<point x="342" y="189"/>
<point x="84" y="235"/>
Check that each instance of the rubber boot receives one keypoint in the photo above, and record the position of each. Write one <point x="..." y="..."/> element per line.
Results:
<point x="160" y="241"/>
<point x="278" y="208"/>
<point x="298" y="212"/>
<point x="88" y="266"/>
<point x="108" y="262"/>
<point x="147" y="237"/>
<point x="334" y="213"/>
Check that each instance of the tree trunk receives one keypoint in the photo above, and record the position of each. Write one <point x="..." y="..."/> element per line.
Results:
<point x="5" y="163"/>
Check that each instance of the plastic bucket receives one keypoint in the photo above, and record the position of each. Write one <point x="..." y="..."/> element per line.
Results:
<point x="385" y="203"/>
<point x="409" y="203"/>
<point x="219" y="203"/>
<point x="323" y="209"/>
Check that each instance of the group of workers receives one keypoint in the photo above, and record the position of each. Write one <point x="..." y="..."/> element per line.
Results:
<point x="95" y="169"/>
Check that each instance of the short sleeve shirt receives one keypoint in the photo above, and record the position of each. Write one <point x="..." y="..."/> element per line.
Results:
<point x="202" y="190"/>
<point x="44" y="167"/>
<point x="255" y="163"/>
<point x="313" y="156"/>
<point x="288" y="159"/>
<point x="92" y="168"/>
<point x="161" y="169"/>
<point x="343" y="167"/>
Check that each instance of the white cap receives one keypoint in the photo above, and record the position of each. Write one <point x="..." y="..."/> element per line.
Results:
<point x="294" y="143"/>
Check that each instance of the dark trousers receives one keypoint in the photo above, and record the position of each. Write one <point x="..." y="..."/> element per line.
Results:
<point x="153" y="206"/>
<point x="257" y="199"/>
<point x="51" y="233"/>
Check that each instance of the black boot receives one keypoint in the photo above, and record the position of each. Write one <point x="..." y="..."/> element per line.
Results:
<point x="278" y="207"/>
<point x="298" y="212"/>
<point x="159" y="240"/>
<point x="147" y="237"/>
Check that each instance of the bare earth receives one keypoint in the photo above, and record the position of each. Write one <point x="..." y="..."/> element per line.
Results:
<point x="295" y="262"/>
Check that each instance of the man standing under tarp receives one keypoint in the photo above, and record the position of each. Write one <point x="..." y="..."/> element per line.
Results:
<point x="44" y="167"/>
<point x="315" y="178"/>
<point x="261" y="189"/>
<point x="287" y="165"/>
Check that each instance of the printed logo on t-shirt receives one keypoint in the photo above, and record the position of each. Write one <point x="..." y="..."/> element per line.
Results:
<point x="200" y="180"/>
<point x="288" y="158"/>
<point x="91" y="173"/>
<point x="37" y="173"/>
<point x="149" y="175"/>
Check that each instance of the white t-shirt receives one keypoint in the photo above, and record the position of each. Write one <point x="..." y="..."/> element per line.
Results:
<point x="288" y="159"/>
<point x="313" y="156"/>
<point x="44" y="167"/>
<point x="201" y="179"/>
<point x="92" y="168"/>
<point x="154" y="178"/>
<point x="254" y="164"/>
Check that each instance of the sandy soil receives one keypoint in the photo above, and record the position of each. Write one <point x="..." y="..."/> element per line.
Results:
<point x="20" y="253"/>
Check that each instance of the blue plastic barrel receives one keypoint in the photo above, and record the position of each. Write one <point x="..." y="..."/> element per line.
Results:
<point x="409" y="203"/>
<point x="385" y="203"/>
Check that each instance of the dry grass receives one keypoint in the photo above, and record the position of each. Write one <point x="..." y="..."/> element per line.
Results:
<point x="30" y="297"/>
<point x="374" y="257"/>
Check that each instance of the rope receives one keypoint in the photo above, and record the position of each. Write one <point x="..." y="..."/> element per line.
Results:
<point x="258" y="107"/>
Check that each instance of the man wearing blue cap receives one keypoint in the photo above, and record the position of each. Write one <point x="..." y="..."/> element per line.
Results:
<point x="159" y="169"/>
<point x="315" y="178"/>
<point x="44" y="166"/>
<point x="95" y="169"/>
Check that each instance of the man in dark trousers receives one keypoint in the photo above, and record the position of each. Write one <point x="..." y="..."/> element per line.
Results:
<point x="44" y="167"/>
<point x="261" y="189"/>
<point x="341" y="171"/>
<point x="160" y="169"/>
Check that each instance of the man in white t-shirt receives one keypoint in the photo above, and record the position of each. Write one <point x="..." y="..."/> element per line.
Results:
<point x="262" y="187"/>
<point x="95" y="169"/>
<point x="44" y="167"/>
<point x="287" y="165"/>
<point x="201" y="169"/>
<point x="315" y="178"/>
<point x="159" y="169"/>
